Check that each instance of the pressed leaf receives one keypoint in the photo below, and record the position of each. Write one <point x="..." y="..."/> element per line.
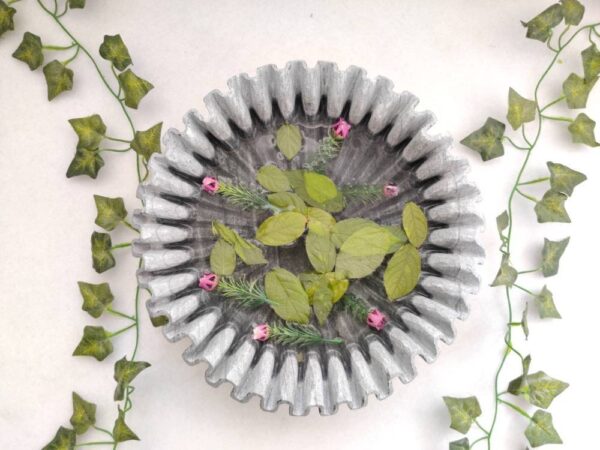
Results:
<point x="552" y="208"/>
<point x="222" y="258"/>
<point x="64" y="439"/>
<point x="541" y="431"/>
<point x="502" y="221"/>
<point x="296" y="179"/>
<point x="539" y="389"/>
<point x="540" y="27"/>
<point x="319" y="248"/>
<point x="86" y="162"/>
<point x="90" y="130"/>
<point x="125" y="372"/>
<point x="96" y="297"/>
<point x="322" y="302"/>
<point x="338" y="286"/>
<point x="95" y="342"/>
<point x="573" y="11"/>
<point x="320" y="187"/>
<point x="114" y="50"/>
<point x="350" y="266"/>
<point x="346" y="228"/>
<point x="487" y="140"/>
<point x="6" y="18"/>
<point x="402" y="272"/>
<point x="273" y="179"/>
<point x="74" y="4"/>
<point x="134" y="87"/>
<point x="520" y="109"/>
<point x="30" y="51"/>
<point x="287" y="200"/>
<point x="111" y="211"/>
<point x="281" y="229"/>
<point x="414" y="223"/>
<point x="545" y="305"/>
<point x="247" y="251"/>
<point x="369" y="240"/>
<point x="463" y="412"/>
<point x="59" y="78"/>
<point x="582" y="130"/>
<point x="507" y="275"/>
<point x="461" y="444"/>
<point x="318" y="215"/>
<point x="84" y="414"/>
<point x="289" y="140"/>
<point x="400" y="235"/>
<point x="102" y="258"/>
<point x="577" y="90"/>
<point x="564" y="179"/>
<point x="591" y="62"/>
<point x="288" y="298"/>
<point x="146" y="143"/>
<point x="551" y="254"/>
<point x="121" y="431"/>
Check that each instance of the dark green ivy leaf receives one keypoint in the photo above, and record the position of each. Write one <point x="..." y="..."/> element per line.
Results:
<point x="30" y="51"/>
<point x="545" y="305"/>
<point x="95" y="342"/>
<point x="573" y="11"/>
<point x="6" y="18"/>
<point x="540" y="27"/>
<point x="541" y="430"/>
<point x="84" y="414"/>
<point x="64" y="439"/>
<point x="114" y="50"/>
<point x="552" y="208"/>
<point x="462" y="444"/>
<point x="551" y="254"/>
<point x="564" y="179"/>
<point x="59" y="78"/>
<point x="463" y="412"/>
<point x="507" y="275"/>
<point x="591" y="62"/>
<point x="75" y="4"/>
<point x="538" y="389"/>
<point x="86" y="162"/>
<point x="111" y="211"/>
<point x="582" y="130"/>
<point x="577" y="90"/>
<point x="121" y="432"/>
<point x="102" y="258"/>
<point x="520" y="109"/>
<point x="145" y="143"/>
<point x="487" y="141"/>
<point x="90" y="130"/>
<point x="159" y="321"/>
<point x="134" y="87"/>
<point x="96" y="297"/>
<point x="125" y="372"/>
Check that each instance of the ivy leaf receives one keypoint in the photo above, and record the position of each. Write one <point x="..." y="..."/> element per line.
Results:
<point x="463" y="412"/>
<point x="272" y="178"/>
<point x="487" y="140"/>
<point x="564" y="179"/>
<point x="96" y="297"/>
<point x="90" y="130"/>
<point x="95" y="342"/>
<point x="351" y="266"/>
<point x="540" y="27"/>
<point x="222" y="258"/>
<point x="520" y="109"/>
<point x="319" y="248"/>
<point x="64" y="439"/>
<point x="288" y="298"/>
<point x="591" y="62"/>
<point x="577" y="90"/>
<point x="525" y="322"/>
<point x="541" y="430"/>
<point x="502" y="222"/>
<point x="6" y="18"/>
<point x="84" y="414"/>
<point x="145" y="143"/>
<point x="346" y="228"/>
<point x="538" y="389"/>
<point x="288" y="140"/>
<point x="582" y="130"/>
<point x="551" y="254"/>
<point x="402" y="272"/>
<point x="281" y="229"/>
<point x="125" y="372"/>
<point x="573" y="11"/>
<point x="59" y="78"/>
<point x="369" y="240"/>
<point x="121" y="432"/>
<point x="111" y="211"/>
<point x="30" y="51"/>
<point x="507" y="275"/>
<point x="462" y="444"/>
<point x="414" y="223"/>
<point x="86" y="162"/>
<point x="545" y="305"/>
<point x="134" y="87"/>
<point x="114" y="50"/>
<point x="159" y="321"/>
<point x="76" y="4"/>
<point x="287" y="200"/>
<point x="102" y="258"/>
<point x="552" y="208"/>
<point x="320" y="187"/>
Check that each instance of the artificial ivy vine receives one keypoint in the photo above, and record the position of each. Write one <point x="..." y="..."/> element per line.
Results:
<point x="537" y="388"/>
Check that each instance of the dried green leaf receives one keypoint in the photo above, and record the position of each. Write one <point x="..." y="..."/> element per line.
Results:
<point x="319" y="248"/>
<point x="507" y="275"/>
<point x="134" y="87"/>
<point x="64" y="439"/>
<point x="273" y="179"/>
<point x="369" y="240"/>
<point x="545" y="305"/>
<point x="222" y="258"/>
<point x="502" y="221"/>
<point x="590" y="58"/>
<point x="320" y="187"/>
<point x="125" y="372"/>
<point x="288" y="298"/>
<point x="287" y="201"/>
<point x="111" y="211"/>
<point x="146" y="143"/>
<point x="114" y="50"/>
<point x="564" y="179"/>
<point x="414" y="223"/>
<point x="463" y="412"/>
<point x="75" y="4"/>
<point x="90" y="130"/>
<point x="84" y="414"/>
<point x="552" y="208"/>
<point x="96" y="297"/>
<point x="538" y="389"/>
<point x="402" y="272"/>
<point x="487" y="140"/>
<point x="95" y="342"/>
<point x="540" y="27"/>
<point x="30" y="51"/>
<point x="572" y="11"/>
<point x="59" y="78"/>
<point x="551" y="254"/>
<point x="582" y="130"/>
<point x="6" y="18"/>
<point x="577" y="90"/>
<point x="351" y="266"/>
<point x="102" y="258"/>
<point x="346" y="228"/>
<point x="281" y="229"/>
<point x="289" y="140"/>
<point x="520" y="109"/>
<point x="541" y="430"/>
<point x="461" y="444"/>
<point x="296" y="179"/>
<point x="86" y="162"/>
<point x="122" y="432"/>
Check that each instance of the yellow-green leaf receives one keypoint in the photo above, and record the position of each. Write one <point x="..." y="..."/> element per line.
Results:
<point x="318" y="215"/>
<point x="125" y="372"/>
<point x="222" y="258"/>
<point x="342" y="230"/>
<point x="463" y="412"/>
<point x="96" y="297"/>
<point x="540" y="27"/>
<point x="121" y="431"/>
<point x="59" y="78"/>
<point x="520" y="109"/>
<point x="6" y="18"/>
<point x="289" y="140"/>
<point x="102" y="258"/>
<point x="146" y="143"/>
<point x="247" y="251"/>
<point x="272" y="178"/>
<point x="577" y="90"/>
<point x="281" y="229"/>
<point x="591" y="62"/>
<point x="86" y="162"/>
<point x="541" y="431"/>
<point x="487" y="140"/>
<point x="582" y="130"/>
<point x="30" y="51"/>
<point x="288" y="298"/>
<point x="402" y="273"/>
<point x="338" y="286"/>
<point x="552" y="208"/>
<point x="64" y="439"/>
<point x="322" y="302"/>
<point x="573" y="11"/>
<point x="84" y="414"/>
<point x="350" y="266"/>
<point x="545" y="304"/>
<point x="369" y="240"/>
<point x="551" y="254"/>
<point x="114" y="50"/>
<point x="287" y="201"/>
<point x="296" y="179"/>
<point x="414" y="223"/>
<point x="399" y="233"/>
<point x="320" y="187"/>
<point x="134" y="87"/>
<point x="95" y="342"/>
<point x="90" y="130"/>
<point x="319" y="248"/>
<point x="111" y="211"/>
<point x="564" y="179"/>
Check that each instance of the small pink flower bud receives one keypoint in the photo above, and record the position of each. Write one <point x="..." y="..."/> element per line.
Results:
<point x="210" y="185"/>
<point x="208" y="281"/>
<point x="376" y="319"/>
<point x="261" y="332"/>
<point x="341" y="128"/>
<point x="390" y="190"/>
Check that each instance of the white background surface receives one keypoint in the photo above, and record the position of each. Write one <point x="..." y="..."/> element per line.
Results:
<point x="459" y="57"/>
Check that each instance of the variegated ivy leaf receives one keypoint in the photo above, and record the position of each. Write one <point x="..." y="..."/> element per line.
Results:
<point x="461" y="444"/>
<point x="281" y="229"/>
<point x="134" y="87"/>
<point x="463" y="412"/>
<point x="95" y="342"/>
<point x="6" y="18"/>
<point x="84" y="414"/>
<point x="402" y="272"/>
<point x="545" y="305"/>
<point x="289" y="140"/>
<point x="525" y="322"/>
<point x="111" y="211"/>
<point x="222" y="258"/>
<point x="145" y="143"/>
<point x="551" y="208"/>
<point x="572" y="11"/>
<point x="577" y="90"/>
<point x="121" y="431"/>
<point x="288" y="297"/>
<point x="502" y="222"/>
<point x="287" y="201"/>
<point x="320" y="187"/>
<point x="59" y="78"/>
<point x="86" y="162"/>
<point x="538" y="389"/>
<point x="520" y="109"/>
<point x="90" y="130"/>
<point x="487" y="141"/>
<point x="96" y="297"/>
<point x="414" y="223"/>
<point x="541" y="431"/>
<point x="551" y="254"/>
<point x="102" y="258"/>
<point x="564" y="179"/>
<point x="125" y="372"/>
<point x="582" y="130"/>
<point x="75" y="4"/>
<point x="507" y="275"/>
<point x="114" y="50"/>
<point x="64" y="439"/>
<point x="272" y="178"/>
<point x="591" y="62"/>
<point x="30" y="51"/>
<point x="540" y="27"/>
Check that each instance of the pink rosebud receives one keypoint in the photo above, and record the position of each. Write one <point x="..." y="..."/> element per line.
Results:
<point x="390" y="190"/>
<point x="261" y="332"/>
<point x="376" y="319"/>
<point x="208" y="281"/>
<point x="341" y="128"/>
<point x="210" y="185"/>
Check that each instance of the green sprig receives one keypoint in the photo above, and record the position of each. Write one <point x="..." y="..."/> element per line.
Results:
<point x="355" y="307"/>
<point x="247" y="293"/>
<point x="299" y="335"/>
<point x="362" y="193"/>
<point x="243" y="196"/>
<point x="328" y="149"/>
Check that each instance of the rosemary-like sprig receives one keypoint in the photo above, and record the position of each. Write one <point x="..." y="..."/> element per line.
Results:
<point x="243" y="197"/>
<point x="362" y="194"/>
<point x="299" y="335"/>
<point x="247" y="293"/>
<point x="328" y="149"/>
<point x="355" y="307"/>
